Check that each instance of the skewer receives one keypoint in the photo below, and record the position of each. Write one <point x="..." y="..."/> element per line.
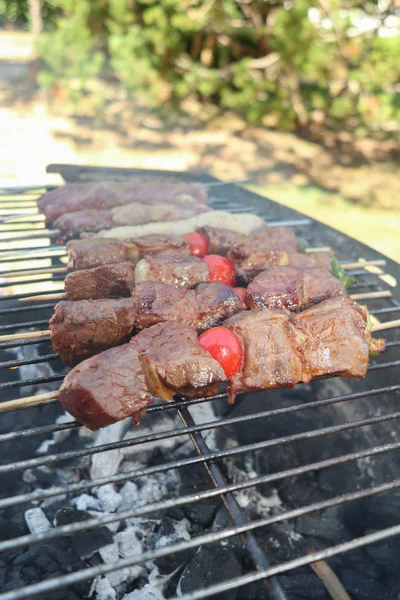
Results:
<point x="22" y="336"/>
<point x="38" y="399"/>
<point x="44" y="271"/>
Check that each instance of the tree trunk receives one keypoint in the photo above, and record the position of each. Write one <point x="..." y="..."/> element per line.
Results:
<point x="35" y="13"/>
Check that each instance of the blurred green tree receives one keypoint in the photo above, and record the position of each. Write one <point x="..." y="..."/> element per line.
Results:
<point x="287" y="63"/>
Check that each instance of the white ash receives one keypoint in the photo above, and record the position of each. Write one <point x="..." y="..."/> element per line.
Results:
<point x="103" y="589"/>
<point x="31" y="371"/>
<point x="143" y="452"/>
<point x="36" y="520"/>
<point x="109" y="498"/>
<point x="148" y="592"/>
<point x="107" y="463"/>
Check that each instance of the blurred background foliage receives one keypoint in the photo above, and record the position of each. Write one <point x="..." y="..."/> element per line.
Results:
<point x="283" y="63"/>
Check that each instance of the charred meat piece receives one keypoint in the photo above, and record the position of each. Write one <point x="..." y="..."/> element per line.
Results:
<point x="107" y="194"/>
<point x="86" y="327"/>
<point x="249" y="260"/>
<point x="215" y="303"/>
<point x="220" y="241"/>
<point x="159" y="302"/>
<point x="335" y="341"/>
<point x="270" y="349"/>
<point x="276" y="238"/>
<point x="138" y="213"/>
<point x="107" y="281"/>
<point x="83" y="220"/>
<point x="174" y="269"/>
<point x="175" y="362"/>
<point x="159" y="243"/>
<point x="94" y="252"/>
<point x="315" y="259"/>
<point x="291" y="288"/>
<point x="106" y="388"/>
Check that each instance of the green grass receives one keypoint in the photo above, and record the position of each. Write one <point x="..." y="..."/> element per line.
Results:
<point x="375" y="227"/>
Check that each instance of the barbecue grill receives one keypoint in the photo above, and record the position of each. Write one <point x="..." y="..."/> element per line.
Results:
<point x="356" y="423"/>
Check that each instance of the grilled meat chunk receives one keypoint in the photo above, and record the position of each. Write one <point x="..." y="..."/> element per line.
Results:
<point x="335" y="342"/>
<point x="315" y="259"/>
<point x="138" y="213"/>
<point x="215" y="303"/>
<point x="271" y="351"/>
<point x="220" y="241"/>
<point x="108" y="194"/>
<point x="107" y="281"/>
<point x="106" y="388"/>
<point x="83" y="220"/>
<point x="291" y="288"/>
<point x="94" y="252"/>
<point x="249" y="260"/>
<point x="159" y="243"/>
<point x="277" y="238"/>
<point x="175" y="362"/>
<point x="175" y="269"/>
<point x="86" y="327"/>
<point x="159" y="302"/>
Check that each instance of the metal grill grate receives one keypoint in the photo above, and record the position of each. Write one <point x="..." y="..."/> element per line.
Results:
<point x="380" y="387"/>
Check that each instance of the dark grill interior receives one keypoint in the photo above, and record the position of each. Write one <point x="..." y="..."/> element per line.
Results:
<point x="231" y="502"/>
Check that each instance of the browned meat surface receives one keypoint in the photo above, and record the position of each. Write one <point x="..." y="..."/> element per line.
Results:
<point x="86" y="327"/>
<point x="175" y="269"/>
<point x="159" y="243"/>
<point x="94" y="252"/>
<point x="220" y="241"/>
<point x="176" y="363"/>
<point x="106" y="388"/>
<point x="312" y="259"/>
<point x="270" y="349"/>
<point x="107" y="281"/>
<point x="107" y="194"/>
<point x="215" y="302"/>
<point x="276" y="238"/>
<point x="334" y="339"/>
<point x="250" y="259"/>
<point x="292" y="288"/>
<point x="138" y="213"/>
<point x="159" y="302"/>
<point x="83" y="220"/>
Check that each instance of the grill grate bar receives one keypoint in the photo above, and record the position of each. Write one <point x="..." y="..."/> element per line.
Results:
<point x="18" y="343"/>
<point x="179" y="501"/>
<point x="64" y="580"/>
<point x="26" y="308"/>
<point x="52" y="458"/>
<point x="260" y="559"/>
<point x="24" y="324"/>
<point x="33" y="381"/>
<point x="10" y="364"/>
<point x="51" y="278"/>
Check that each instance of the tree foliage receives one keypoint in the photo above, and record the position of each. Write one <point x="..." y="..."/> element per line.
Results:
<point x="284" y="62"/>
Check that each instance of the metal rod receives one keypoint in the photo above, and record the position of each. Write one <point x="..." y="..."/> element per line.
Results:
<point x="91" y="572"/>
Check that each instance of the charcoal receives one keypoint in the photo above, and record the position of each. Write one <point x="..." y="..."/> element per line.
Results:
<point x="195" y="480"/>
<point x="210" y="565"/>
<point x="377" y="512"/>
<point x="326" y="526"/>
<point x="361" y="587"/>
<point x="86" y="543"/>
<point x="254" y="591"/>
<point x="386" y="555"/>
<point x="31" y="574"/>
<point x="305" y="586"/>
<point x="169" y="564"/>
<point x="3" y="572"/>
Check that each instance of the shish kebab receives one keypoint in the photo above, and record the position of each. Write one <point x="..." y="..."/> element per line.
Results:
<point x="105" y="270"/>
<point x="254" y="350"/>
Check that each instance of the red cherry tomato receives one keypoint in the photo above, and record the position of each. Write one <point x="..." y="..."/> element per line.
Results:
<point x="198" y="244"/>
<point x="221" y="269"/>
<point x="241" y="292"/>
<point x="224" y="346"/>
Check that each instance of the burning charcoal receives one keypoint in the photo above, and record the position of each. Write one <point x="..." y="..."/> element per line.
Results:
<point x="103" y="589"/>
<point x="109" y="498"/>
<point x="210" y="565"/>
<point x="86" y="543"/>
<point x="107" y="463"/>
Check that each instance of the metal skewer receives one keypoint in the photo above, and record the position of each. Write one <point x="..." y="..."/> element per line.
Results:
<point x="48" y="397"/>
